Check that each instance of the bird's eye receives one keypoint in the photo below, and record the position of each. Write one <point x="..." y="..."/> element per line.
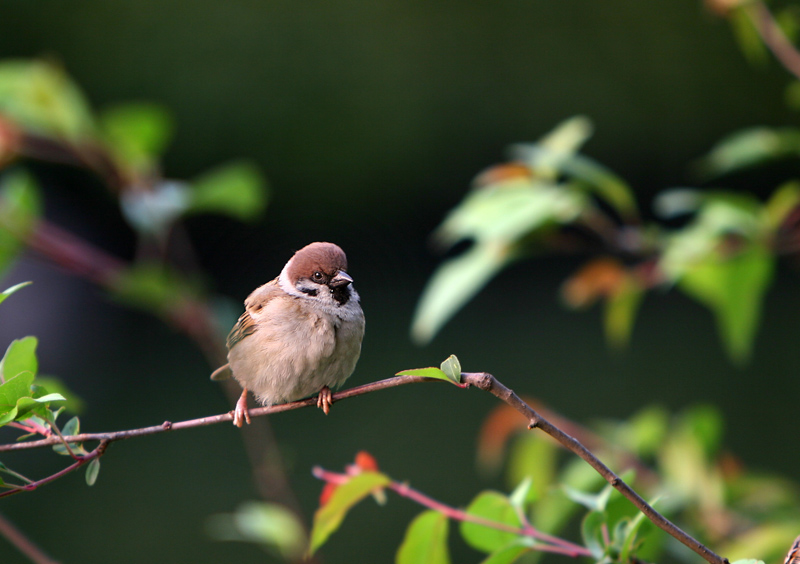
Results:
<point x="317" y="276"/>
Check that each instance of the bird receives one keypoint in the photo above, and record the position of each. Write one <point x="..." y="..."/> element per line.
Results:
<point x="300" y="333"/>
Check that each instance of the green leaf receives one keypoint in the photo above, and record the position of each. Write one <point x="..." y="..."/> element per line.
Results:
<point x="92" y="471"/>
<point x="137" y="133"/>
<point x="273" y="526"/>
<point x="429" y="372"/>
<point x="452" y="368"/>
<point x="733" y="288"/>
<point x="747" y="36"/>
<point x="20" y="206"/>
<point x="237" y="189"/>
<point x="782" y="202"/>
<point x="40" y="96"/>
<point x="71" y="427"/>
<point x="425" y="541"/>
<point x="20" y="358"/>
<point x="496" y="507"/>
<point x="620" y="312"/>
<point x="532" y="455"/>
<point x="592" y="533"/>
<point x="592" y="502"/>
<point x="511" y="552"/>
<point x="328" y="517"/>
<point x="11" y="392"/>
<point x="153" y="287"/>
<point x="12" y="289"/>
<point x="521" y="494"/>
<point x="453" y="284"/>
<point x="73" y="403"/>
<point x="749" y="148"/>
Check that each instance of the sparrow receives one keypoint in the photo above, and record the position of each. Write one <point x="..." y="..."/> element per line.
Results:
<point x="300" y="333"/>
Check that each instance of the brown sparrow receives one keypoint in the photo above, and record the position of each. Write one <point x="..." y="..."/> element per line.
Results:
<point x="300" y="333"/>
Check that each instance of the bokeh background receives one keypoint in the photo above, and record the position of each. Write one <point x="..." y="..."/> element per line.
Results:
<point x="369" y="120"/>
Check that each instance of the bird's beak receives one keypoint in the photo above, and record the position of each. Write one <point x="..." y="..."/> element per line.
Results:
<point x="341" y="279"/>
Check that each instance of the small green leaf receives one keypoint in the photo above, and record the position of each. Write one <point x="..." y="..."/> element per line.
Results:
<point x="137" y="133"/>
<point x="425" y="541"/>
<point x="12" y="289"/>
<point x="236" y="189"/>
<point x="273" y="526"/>
<point x="92" y="471"/>
<point x="71" y="427"/>
<point x="620" y="312"/>
<point x="20" y="206"/>
<point x="493" y="506"/>
<point x="519" y="497"/>
<point x="20" y="357"/>
<point x="328" y="517"/>
<point x="592" y="533"/>
<point x="429" y="372"/>
<point x="593" y="502"/>
<point x="452" y="368"/>
<point x="782" y="202"/>
<point x="751" y="147"/>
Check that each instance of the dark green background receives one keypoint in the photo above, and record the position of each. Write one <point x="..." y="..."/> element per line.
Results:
<point x="370" y="119"/>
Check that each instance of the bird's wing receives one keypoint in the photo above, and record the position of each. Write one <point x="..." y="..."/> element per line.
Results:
<point x="255" y="302"/>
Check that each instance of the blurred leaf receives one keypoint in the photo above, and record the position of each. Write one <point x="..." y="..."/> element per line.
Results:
<point x="236" y="189"/>
<point x="592" y="533"/>
<point x="20" y="358"/>
<point x="153" y="287"/>
<point x="13" y="289"/>
<point x="532" y="456"/>
<point x="522" y="494"/>
<point x="71" y="427"/>
<point x="11" y="391"/>
<point x="153" y="209"/>
<point x="703" y="423"/>
<point x="750" y="147"/>
<point x="92" y="471"/>
<point x="425" y="541"/>
<point x="137" y="133"/>
<point x="747" y="36"/>
<point x="733" y="288"/>
<point x="272" y="526"/>
<point x="40" y="97"/>
<point x="328" y="517"/>
<point x="592" y="502"/>
<point x="620" y="312"/>
<point x="553" y="509"/>
<point x="453" y="284"/>
<point x="20" y="206"/>
<point x="769" y="539"/>
<point x="629" y="533"/>
<point x="496" y="507"/>
<point x="452" y="368"/>
<point x="511" y="552"/>
<point x="74" y="403"/>
<point x="546" y="157"/>
<point x="782" y="202"/>
<point x="644" y="432"/>
<point x="497" y="428"/>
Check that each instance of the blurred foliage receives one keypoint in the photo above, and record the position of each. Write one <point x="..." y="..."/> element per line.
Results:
<point x="550" y="198"/>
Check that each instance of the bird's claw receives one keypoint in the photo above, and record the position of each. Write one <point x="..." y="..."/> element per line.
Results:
<point x="240" y="413"/>
<point x="325" y="399"/>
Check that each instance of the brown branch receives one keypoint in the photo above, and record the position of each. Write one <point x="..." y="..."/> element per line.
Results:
<point x="490" y="384"/>
<point x="481" y="380"/>
<point x="23" y="543"/>
<point x="774" y="38"/>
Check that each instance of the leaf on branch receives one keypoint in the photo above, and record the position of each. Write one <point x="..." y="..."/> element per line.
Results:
<point x="496" y="507"/>
<point x="511" y="552"/>
<point x="429" y="372"/>
<point x="92" y="471"/>
<point x="236" y="189"/>
<point x="328" y="517"/>
<point x="20" y="358"/>
<point x="425" y="541"/>
<point x="750" y="147"/>
<point x="5" y="293"/>
<point x="42" y="98"/>
<point x="137" y="134"/>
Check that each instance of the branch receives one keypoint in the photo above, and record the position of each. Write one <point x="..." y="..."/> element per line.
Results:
<point x="774" y="38"/>
<point x="481" y="380"/>
<point x="23" y="543"/>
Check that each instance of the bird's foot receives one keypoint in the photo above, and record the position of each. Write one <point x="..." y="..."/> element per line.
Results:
<point x="240" y="413"/>
<point x="325" y="399"/>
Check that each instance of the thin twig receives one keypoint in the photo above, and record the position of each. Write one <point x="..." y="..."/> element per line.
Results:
<point x="490" y="384"/>
<point x="774" y="38"/>
<point x="549" y="543"/>
<point x="481" y="380"/>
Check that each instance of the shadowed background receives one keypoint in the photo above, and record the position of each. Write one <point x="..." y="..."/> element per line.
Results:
<point x="369" y="120"/>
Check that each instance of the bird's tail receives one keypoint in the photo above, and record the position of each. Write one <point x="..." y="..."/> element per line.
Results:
<point x="222" y="373"/>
